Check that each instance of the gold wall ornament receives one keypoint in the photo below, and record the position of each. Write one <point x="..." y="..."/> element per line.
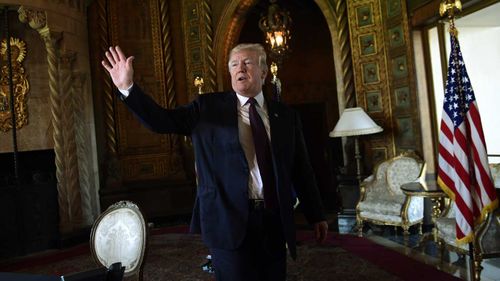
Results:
<point x="36" y="19"/>
<point x="198" y="32"/>
<point x="20" y="85"/>
<point x="198" y="83"/>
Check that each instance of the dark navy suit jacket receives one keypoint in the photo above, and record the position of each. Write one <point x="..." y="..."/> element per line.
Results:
<point x="221" y="207"/>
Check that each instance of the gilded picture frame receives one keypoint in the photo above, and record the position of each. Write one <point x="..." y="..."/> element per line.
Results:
<point x="402" y="97"/>
<point x="399" y="67"/>
<point x="364" y="15"/>
<point x="370" y="73"/>
<point x="374" y="101"/>
<point x="396" y="36"/>
<point x="393" y="8"/>
<point x="405" y="132"/>
<point x="367" y="44"/>
<point x="21" y="85"/>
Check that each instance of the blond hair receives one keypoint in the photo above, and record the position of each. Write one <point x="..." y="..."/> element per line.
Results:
<point x="258" y="48"/>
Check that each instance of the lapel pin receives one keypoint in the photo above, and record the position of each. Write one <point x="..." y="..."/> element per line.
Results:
<point x="275" y="114"/>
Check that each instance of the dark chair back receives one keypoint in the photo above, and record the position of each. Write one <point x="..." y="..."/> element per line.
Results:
<point x="97" y="274"/>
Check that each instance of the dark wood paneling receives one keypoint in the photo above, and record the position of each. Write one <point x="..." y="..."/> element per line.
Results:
<point x="29" y="217"/>
<point x="155" y="198"/>
<point x="313" y="117"/>
<point x="154" y="170"/>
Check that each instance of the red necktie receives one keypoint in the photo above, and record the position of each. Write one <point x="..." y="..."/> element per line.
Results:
<point x="263" y="154"/>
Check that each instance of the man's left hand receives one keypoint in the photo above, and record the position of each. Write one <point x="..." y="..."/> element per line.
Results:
<point x="321" y="230"/>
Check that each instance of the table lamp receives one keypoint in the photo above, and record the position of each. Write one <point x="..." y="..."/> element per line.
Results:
<point x="355" y="122"/>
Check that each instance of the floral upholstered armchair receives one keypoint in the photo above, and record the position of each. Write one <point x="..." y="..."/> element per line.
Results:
<point x="381" y="200"/>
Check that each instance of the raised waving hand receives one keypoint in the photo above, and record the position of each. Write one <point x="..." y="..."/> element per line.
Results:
<point x="119" y="68"/>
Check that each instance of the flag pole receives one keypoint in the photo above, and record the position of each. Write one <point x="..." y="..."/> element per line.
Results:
<point x="451" y="7"/>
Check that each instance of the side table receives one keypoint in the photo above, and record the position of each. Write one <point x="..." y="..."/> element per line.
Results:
<point x="434" y="193"/>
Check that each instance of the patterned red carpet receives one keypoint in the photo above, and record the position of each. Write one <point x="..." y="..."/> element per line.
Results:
<point x="179" y="256"/>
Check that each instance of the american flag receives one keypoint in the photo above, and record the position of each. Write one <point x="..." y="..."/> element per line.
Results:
<point x="463" y="171"/>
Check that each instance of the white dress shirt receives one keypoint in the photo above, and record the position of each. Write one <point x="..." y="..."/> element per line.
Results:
<point x="246" y="140"/>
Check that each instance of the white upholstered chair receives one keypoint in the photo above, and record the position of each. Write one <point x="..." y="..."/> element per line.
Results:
<point x="119" y="235"/>
<point x="381" y="200"/>
<point x="486" y="243"/>
<point x="445" y="231"/>
<point x="495" y="174"/>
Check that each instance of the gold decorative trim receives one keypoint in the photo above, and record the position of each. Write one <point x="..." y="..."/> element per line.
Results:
<point x="166" y="39"/>
<point x="365" y="64"/>
<point x="113" y="170"/>
<point x="158" y="41"/>
<point x="400" y="53"/>
<point x="20" y="85"/>
<point x="198" y="43"/>
<point x="210" y="67"/>
<point x="230" y="23"/>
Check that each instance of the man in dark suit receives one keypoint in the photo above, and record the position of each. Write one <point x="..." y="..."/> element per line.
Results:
<point x="251" y="163"/>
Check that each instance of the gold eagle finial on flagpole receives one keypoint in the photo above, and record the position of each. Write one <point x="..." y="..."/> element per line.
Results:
<point x="450" y="7"/>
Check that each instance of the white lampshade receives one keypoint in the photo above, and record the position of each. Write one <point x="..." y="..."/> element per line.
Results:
<point x="355" y="122"/>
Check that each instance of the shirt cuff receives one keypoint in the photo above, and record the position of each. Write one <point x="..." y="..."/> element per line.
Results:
<point x="126" y="92"/>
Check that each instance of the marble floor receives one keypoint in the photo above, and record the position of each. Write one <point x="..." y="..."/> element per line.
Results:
<point x="422" y="249"/>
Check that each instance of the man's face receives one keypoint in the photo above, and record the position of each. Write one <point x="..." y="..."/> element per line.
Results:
<point x="246" y="75"/>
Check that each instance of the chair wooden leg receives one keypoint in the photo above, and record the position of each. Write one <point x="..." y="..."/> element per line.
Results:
<point x="406" y="234"/>
<point x="441" y="250"/>
<point x="360" y="227"/>
<point x="406" y="231"/>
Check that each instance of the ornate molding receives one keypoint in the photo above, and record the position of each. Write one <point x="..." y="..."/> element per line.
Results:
<point x="229" y="25"/>
<point x="107" y="86"/>
<point x="59" y="70"/>
<point x="113" y="168"/>
<point x="36" y="19"/>
<point x="68" y="133"/>
<point x="370" y="67"/>
<point x="206" y="13"/>
<point x="166" y="38"/>
<point x="198" y="43"/>
<point x="20" y="86"/>
<point x="342" y="24"/>
<point x="80" y="93"/>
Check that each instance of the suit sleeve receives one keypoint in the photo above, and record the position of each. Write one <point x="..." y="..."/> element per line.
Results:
<point x="180" y="120"/>
<point x="304" y="179"/>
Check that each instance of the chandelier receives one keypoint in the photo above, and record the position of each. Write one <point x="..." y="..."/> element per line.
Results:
<point x="276" y="27"/>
